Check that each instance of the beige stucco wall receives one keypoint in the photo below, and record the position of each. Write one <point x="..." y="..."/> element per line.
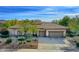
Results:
<point x="13" y="31"/>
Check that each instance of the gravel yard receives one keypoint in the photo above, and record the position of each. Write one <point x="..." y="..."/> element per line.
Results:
<point x="49" y="45"/>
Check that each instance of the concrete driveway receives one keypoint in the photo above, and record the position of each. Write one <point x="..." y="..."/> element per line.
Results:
<point x="46" y="43"/>
<point x="48" y="40"/>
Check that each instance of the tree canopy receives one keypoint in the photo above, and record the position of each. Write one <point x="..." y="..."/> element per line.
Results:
<point x="71" y="23"/>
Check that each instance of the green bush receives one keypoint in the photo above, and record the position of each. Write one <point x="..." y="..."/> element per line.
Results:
<point x="77" y="44"/>
<point x="24" y="42"/>
<point x="21" y="39"/>
<point x="20" y="43"/>
<point x="70" y="34"/>
<point x="28" y="40"/>
<point x="4" y="34"/>
<point x="8" y="41"/>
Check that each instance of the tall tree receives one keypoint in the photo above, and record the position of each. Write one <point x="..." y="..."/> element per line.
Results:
<point x="64" y="21"/>
<point x="74" y="24"/>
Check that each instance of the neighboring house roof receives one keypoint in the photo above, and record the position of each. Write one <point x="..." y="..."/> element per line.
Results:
<point x="2" y="21"/>
<point x="45" y="25"/>
<point x="14" y="27"/>
<point x="1" y="24"/>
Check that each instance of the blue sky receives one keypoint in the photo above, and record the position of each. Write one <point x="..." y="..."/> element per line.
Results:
<point x="44" y="13"/>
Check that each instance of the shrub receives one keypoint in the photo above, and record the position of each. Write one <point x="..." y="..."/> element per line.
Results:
<point x="8" y="41"/>
<point x="0" y="41"/>
<point x="28" y="40"/>
<point x="20" y="43"/>
<point x="21" y="39"/>
<point x="70" y="34"/>
<point x="4" y="34"/>
<point x="77" y="44"/>
<point x="24" y="42"/>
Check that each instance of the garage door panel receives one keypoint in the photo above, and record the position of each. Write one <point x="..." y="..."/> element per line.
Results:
<point x="55" y="33"/>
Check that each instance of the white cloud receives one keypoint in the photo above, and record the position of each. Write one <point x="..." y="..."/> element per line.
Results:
<point x="73" y="14"/>
<point x="48" y="9"/>
<point x="76" y="10"/>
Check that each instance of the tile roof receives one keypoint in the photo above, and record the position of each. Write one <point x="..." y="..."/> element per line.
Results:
<point x="49" y="25"/>
<point x="44" y="25"/>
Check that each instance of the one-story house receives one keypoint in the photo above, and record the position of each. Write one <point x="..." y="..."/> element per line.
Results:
<point x="45" y="29"/>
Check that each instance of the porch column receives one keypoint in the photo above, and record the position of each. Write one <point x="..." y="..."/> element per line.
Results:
<point x="38" y="33"/>
<point x="64" y="33"/>
<point x="47" y="33"/>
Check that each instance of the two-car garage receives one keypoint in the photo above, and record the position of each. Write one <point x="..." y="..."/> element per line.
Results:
<point x="49" y="29"/>
<point x="54" y="34"/>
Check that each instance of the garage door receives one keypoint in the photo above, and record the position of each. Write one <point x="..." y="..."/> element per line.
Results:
<point x="55" y="34"/>
<point x="42" y="33"/>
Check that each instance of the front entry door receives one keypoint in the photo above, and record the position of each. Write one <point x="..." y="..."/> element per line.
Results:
<point x="42" y="33"/>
